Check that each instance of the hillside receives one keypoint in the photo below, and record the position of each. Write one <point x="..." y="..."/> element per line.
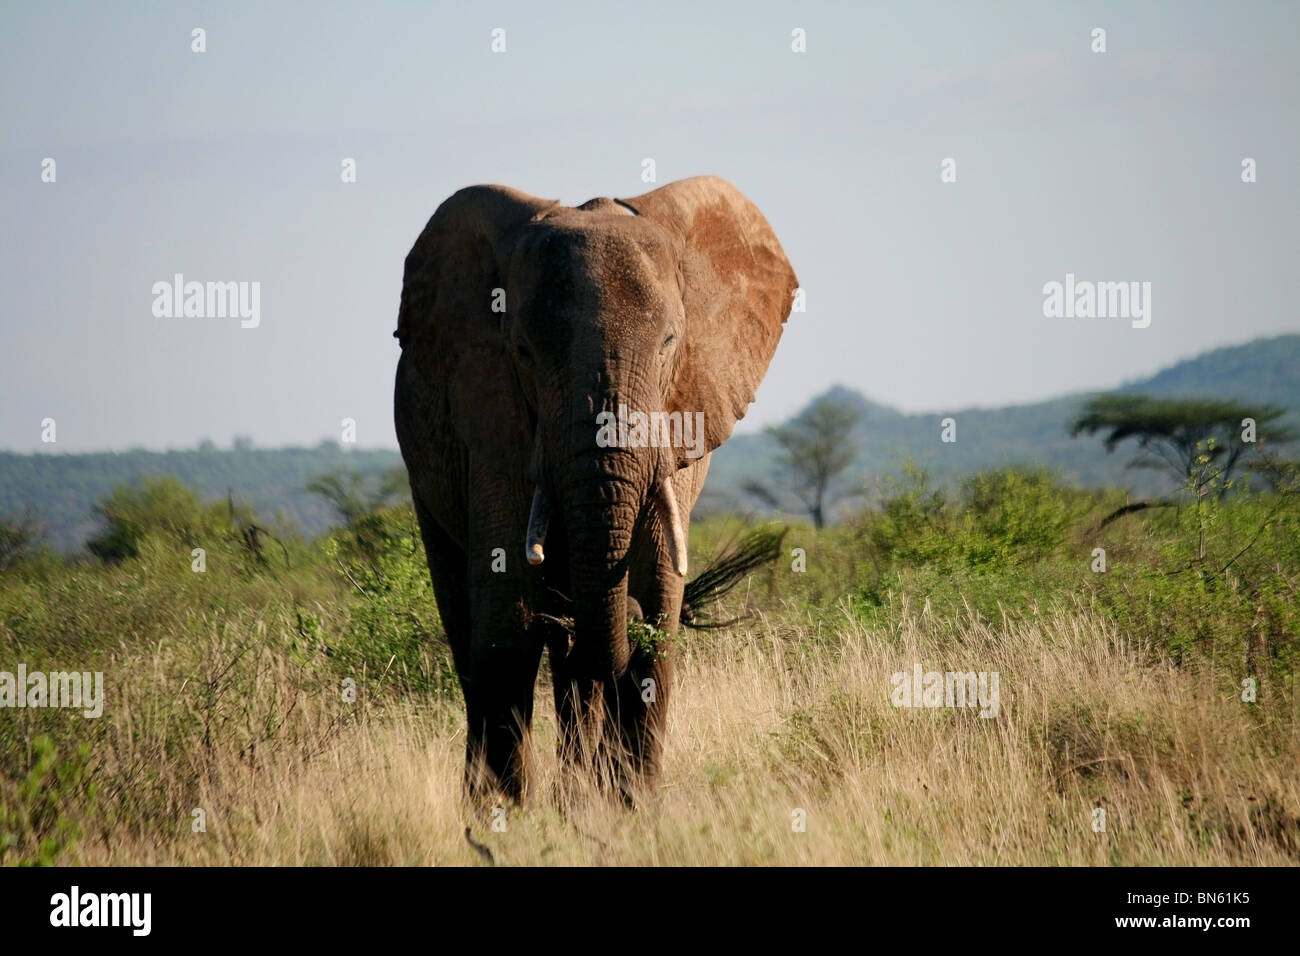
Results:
<point x="62" y="489"/>
<point x="1265" y="370"/>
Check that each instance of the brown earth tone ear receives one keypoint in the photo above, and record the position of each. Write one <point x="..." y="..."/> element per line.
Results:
<point x="450" y="336"/>
<point x="452" y="268"/>
<point x="738" y="292"/>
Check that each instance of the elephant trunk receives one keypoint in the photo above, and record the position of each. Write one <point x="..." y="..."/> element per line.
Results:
<point x="601" y="504"/>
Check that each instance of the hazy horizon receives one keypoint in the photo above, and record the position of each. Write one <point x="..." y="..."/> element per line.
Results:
<point x="392" y="446"/>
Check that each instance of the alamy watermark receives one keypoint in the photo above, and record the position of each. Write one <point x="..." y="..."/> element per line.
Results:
<point x="179" y="299"/>
<point x="651" y="430"/>
<point x="1084" y="299"/>
<point x="946" y="689"/>
<point x="75" y="908"/>
<point x="55" y="689"/>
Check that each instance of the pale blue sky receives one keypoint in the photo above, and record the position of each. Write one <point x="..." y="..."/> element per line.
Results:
<point x="924" y="295"/>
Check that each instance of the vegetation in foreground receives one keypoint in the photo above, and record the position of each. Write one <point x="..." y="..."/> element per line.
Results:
<point x="297" y="694"/>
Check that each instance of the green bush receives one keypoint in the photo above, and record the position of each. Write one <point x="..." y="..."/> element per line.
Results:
<point x="158" y="507"/>
<point x="1015" y="516"/>
<point x="1210" y="579"/>
<point x="37" y="824"/>
<point x="394" y="631"/>
<point x="1216" y="578"/>
<point x="1005" y="518"/>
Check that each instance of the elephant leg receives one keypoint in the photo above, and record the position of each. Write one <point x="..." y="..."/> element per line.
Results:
<point x="503" y="652"/>
<point x="578" y="706"/>
<point x="500" y="718"/>
<point x="637" y="720"/>
<point x="447" y="569"/>
<point x="612" y="728"/>
<point x="450" y="588"/>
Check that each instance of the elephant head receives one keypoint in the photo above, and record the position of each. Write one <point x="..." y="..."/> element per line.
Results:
<point x="550" y="330"/>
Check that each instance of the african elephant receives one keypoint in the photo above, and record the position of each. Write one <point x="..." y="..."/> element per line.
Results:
<point x="532" y="336"/>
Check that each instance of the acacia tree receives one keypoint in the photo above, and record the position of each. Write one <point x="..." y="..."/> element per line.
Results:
<point x="356" y="494"/>
<point x="815" y="448"/>
<point x="1201" y="441"/>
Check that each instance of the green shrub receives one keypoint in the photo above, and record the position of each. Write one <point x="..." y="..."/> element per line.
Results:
<point x="1015" y="516"/>
<point x="159" y="507"/>
<point x="393" y="630"/>
<point x="1004" y="518"/>
<point x="37" y="826"/>
<point x="1215" y="578"/>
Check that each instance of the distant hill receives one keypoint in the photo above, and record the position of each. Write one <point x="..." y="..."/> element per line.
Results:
<point x="62" y="489"/>
<point x="1265" y="371"/>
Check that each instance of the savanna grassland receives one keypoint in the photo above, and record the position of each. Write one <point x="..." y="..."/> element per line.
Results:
<point x="1120" y="690"/>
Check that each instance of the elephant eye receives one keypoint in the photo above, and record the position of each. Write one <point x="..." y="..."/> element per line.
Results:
<point x="668" y="341"/>
<point x="525" y="356"/>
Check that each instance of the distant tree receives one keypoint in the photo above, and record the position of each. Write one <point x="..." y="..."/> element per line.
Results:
<point x="1282" y="474"/>
<point x="355" y="494"/>
<point x="161" y="505"/>
<point x="816" y="447"/>
<point x="395" y="484"/>
<point x="1202" y="441"/>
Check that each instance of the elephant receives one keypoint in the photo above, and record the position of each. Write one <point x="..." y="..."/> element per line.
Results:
<point x="536" y="339"/>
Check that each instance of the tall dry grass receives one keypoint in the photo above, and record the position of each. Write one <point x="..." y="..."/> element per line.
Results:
<point x="778" y="715"/>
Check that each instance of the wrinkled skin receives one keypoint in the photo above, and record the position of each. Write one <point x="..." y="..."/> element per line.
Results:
<point x="670" y="301"/>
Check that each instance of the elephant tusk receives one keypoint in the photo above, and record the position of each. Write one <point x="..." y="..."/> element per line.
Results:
<point x="676" y="537"/>
<point x="539" y="518"/>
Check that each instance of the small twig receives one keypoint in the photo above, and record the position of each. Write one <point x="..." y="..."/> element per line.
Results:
<point x="348" y="574"/>
<point x="564" y="622"/>
<point x="715" y="625"/>
<point x="1251" y="543"/>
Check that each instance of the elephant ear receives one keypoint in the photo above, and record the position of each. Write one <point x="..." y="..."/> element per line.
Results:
<point x="452" y="268"/>
<point x="738" y="287"/>
<point x="451" y="337"/>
